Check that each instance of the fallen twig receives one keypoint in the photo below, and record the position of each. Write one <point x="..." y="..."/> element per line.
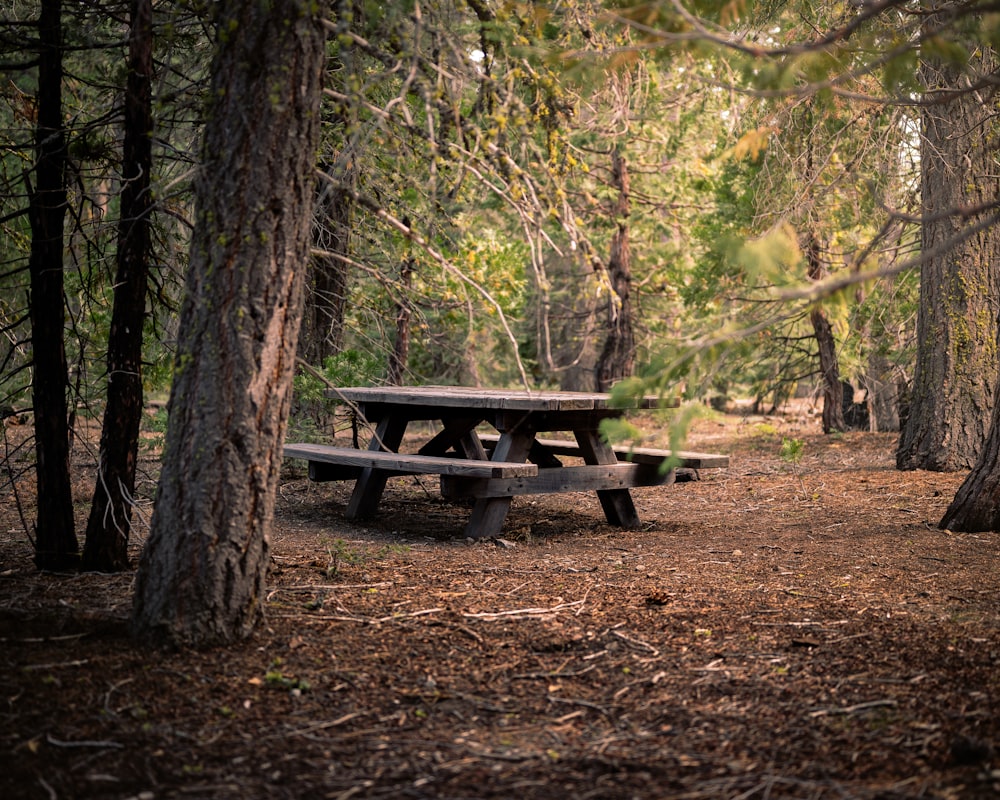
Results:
<point x="636" y="642"/>
<point x="40" y="639"/>
<point x="585" y="703"/>
<point x="56" y="665"/>
<point x="521" y="612"/>
<point x="84" y="743"/>
<point x="463" y="628"/>
<point x="856" y="708"/>
<point x="551" y="675"/>
<point x="307" y="587"/>
<point x="360" y="620"/>
<point x="318" y="726"/>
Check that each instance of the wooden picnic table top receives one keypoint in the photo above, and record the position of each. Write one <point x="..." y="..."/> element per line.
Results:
<point x="492" y="399"/>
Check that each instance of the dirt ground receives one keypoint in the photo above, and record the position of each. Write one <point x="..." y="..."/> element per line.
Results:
<point x="784" y="628"/>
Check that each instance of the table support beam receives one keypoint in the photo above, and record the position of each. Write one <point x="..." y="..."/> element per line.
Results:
<point x="489" y="513"/>
<point x="371" y="483"/>
<point x="617" y="503"/>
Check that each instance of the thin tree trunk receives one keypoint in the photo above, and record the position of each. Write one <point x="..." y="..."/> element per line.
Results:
<point x="56" y="546"/>
<point x="956" y="368"/>
<point x="882" y="385"/>
<point x="201" y="579"/>
<point x="833" y="389"/>
<point x="617" y="359"/>
<point x="401" y="347"/>
<point x="322" y="334"/>
<point x="326" y="298"/>
<point x="106" y="545"/>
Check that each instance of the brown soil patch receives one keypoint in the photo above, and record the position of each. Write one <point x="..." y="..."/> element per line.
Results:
<point x="775" y="630"/>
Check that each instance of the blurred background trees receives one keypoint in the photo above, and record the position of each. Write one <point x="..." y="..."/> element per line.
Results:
<point x="720" y="200"/>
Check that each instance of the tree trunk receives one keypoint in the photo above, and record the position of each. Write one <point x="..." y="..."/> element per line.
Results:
<point x="56" y="547"/>
<point x="401" y="346"/>
<point x="106" y="545"/>
<point x="322" y="334"/>
<point x="976" y="506"/>
<point x="956" y="366"/>
<point x="833" y="389"/>
<point x="617" y="359"/>
<point x="326" y="297"/>
<point x="882" y="384"/>
<point x="201" y="577"/>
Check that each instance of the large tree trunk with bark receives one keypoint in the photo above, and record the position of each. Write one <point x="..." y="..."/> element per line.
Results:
<point x="976" y="506"/>
<point x="106" y="546"/>
<point x="617" y="359"/>
<point x="56" y="547"/>
<point x="201" y="577"/>
<point x="956" y="369"/>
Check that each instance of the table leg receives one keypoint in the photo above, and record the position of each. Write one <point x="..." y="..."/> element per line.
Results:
<point x="458" y="433"/>
<point x="371" y="483"/>
<point x="617" y="503"/>
<point x="489" y="513"/>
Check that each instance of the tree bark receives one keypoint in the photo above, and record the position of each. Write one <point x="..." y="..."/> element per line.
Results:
<point x="106" y="545"/>
<point x="956" y="368"/>
<point x="56" y="547"/>
<point x="322" y="334"/>
<point x="326" y="298"/>
<point x="882" y="385"/>
<point x="400" y="355"/>
<point x="976" y="506"/>
<point x="617" y="359"/>
<point x="202" y="573"/>
<point x="829" y="367"/>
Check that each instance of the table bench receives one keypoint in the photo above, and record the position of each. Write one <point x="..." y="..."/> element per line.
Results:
<point x="684" y="459"/>
<point x="331" y="463"/>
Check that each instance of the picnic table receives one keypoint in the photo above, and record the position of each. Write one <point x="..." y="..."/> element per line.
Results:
<point x="493" y="468"/>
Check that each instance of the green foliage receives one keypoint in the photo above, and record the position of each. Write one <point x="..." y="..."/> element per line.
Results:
<point x="275" y="678"/>
<point x="347" y="368"/>
<point x="792" y="450"/>
<point x="460" y="338"/>
<point x="341" y="553"/>
<point x="313" y="414"/>
<point x="155" y="424"/>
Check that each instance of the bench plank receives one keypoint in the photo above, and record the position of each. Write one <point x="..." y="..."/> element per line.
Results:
<point x="634" y="455"/>
<point x="404" y="463"/>
<point x="588" y="478"/>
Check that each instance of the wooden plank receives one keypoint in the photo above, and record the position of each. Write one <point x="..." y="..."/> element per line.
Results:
<point x="494" y="399"/>
<point x="635" y="455"/>
<point x="405" y="463"/>
<point x="586" y="478"/>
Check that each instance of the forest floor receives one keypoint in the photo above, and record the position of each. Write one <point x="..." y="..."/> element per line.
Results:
<point x="779" y="629"/>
